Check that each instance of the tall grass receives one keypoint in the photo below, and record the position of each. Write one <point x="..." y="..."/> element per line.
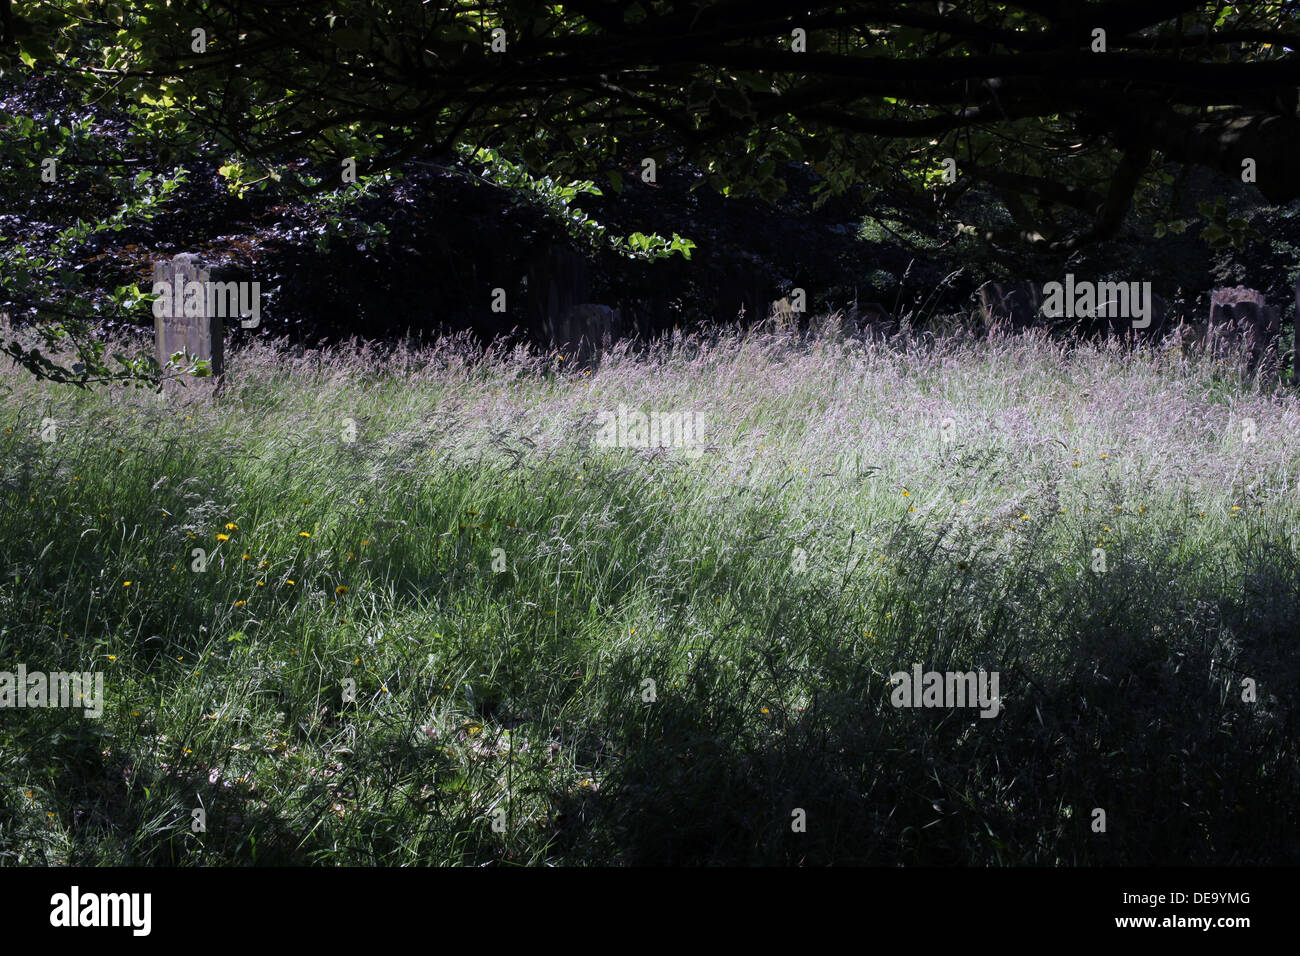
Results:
<point x="857" y="509"/>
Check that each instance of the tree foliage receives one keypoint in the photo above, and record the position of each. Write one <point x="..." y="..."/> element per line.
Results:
<point x="1059" y="104"/>
<point x="1066" y="108"/>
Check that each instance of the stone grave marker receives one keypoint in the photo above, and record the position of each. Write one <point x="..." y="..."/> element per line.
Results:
<point x="184" y="320"/>
<point x="1242" y="314"/>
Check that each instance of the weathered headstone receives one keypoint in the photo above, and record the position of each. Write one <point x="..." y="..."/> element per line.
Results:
<point x="557" y="281"/>
<point x="1022" y="305"/>
<point x="586" y="328"/>
<point x="1157" y="326"/>
<point x="184" y="320"/>
<point x="873" y="319"/>
<point x="645" y="316"/>
<point x="1242" y="314"/>
<point x="1015" y="302"/>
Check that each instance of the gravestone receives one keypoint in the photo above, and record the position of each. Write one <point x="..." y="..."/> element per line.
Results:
<point x="1021" y="305"/>
<point x="872" y="319"/>
<point x="557" y="281"/>
<point x="1242" y="314"/>
<point x="586" y="328"/>
<point x="1015" y="302"/>
<point x="1122" y="325"/>
<point x="186" y="322"/>
<point x="646" y="316"/>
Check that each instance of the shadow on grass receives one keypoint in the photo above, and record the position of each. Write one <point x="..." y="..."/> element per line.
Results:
<point x="1140" y="724"/>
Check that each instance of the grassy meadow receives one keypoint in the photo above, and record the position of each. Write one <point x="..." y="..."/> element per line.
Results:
<point x="437" y="622"/>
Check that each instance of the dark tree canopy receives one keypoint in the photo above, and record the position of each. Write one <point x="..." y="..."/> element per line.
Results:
<point x="1065" y="107"/>
<point x="1065" y="110"/>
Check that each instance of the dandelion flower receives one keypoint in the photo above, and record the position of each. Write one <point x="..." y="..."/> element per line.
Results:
<point x="231" y="526"/>
<point x="303" y="534"/>
<point x="223" y="537"/>
<point x="341" y="589"/>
